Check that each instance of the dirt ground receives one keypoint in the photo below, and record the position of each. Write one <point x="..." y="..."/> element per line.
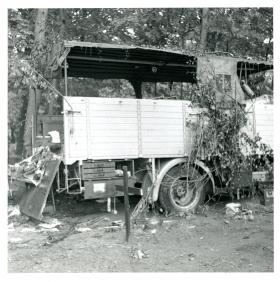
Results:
<point x="82" y="241"/>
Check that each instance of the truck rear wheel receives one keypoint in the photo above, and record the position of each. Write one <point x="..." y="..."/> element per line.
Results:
<point x="182" y="189"/>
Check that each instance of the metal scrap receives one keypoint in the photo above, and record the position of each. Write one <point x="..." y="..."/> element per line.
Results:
<point x="32" y="169"/>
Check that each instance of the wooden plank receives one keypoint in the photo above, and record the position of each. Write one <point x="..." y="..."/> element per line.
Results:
<point x="112" y="107"/>
<point x="264" y="122"/>
<point x="98" y="164"/>
<point x="34" y="200"/>
<point x="162" y="115"/>
<point x="264" y="129"/>
<point x="168" y="103"/>
<point x="159" y="121"/>
<point x="126" y="202"/>
<point x="162" y="139"/>
<point x="113" y="114"/>
<point x="99" y="169"/>
<point x="112" y="101"/>
<point x="158" y="152"/>
<point x="108" y="120"/>
<point x="99" y="175"/>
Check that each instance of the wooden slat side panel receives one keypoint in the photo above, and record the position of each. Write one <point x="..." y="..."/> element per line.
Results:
<point x="162" y="128"/>
<point x="264" y="123"/>
<point x="75" y="127"/>
<point x="114" y="130"/>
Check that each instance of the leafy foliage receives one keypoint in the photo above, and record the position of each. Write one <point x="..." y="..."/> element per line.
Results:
<point x="221" y="140"/>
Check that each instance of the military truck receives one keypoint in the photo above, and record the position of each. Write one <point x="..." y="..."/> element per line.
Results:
<point x="152" y="137"/>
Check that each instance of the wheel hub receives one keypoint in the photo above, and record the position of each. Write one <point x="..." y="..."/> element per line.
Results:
<point x="182" y="190"/>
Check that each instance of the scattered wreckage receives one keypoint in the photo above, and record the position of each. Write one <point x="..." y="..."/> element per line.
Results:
<point x="98" y="136"/>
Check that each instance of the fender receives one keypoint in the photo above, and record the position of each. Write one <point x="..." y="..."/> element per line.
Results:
<point x="209" y="173"/>
<point x="168" y="165"/>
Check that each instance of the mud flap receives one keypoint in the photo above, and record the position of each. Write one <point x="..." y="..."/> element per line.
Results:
<point x="33" y="201"/>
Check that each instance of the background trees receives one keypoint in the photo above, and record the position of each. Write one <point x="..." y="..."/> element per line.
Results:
<point x="36" y="34"/>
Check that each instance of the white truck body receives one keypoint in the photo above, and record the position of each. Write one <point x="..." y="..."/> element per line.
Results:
<point x="260" y="119"/>
<point x="115" y="128"/>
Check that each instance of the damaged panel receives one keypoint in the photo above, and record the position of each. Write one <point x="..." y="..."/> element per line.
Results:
<point x="34" y="200"/>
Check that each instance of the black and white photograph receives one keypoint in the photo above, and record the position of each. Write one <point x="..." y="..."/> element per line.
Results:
<point x="140" y="139"/>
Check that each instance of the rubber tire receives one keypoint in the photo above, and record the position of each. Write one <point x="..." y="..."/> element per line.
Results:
<point x="168" y="205"/>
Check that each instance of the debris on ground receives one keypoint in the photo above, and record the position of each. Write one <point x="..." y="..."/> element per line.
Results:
<point x="232" y="209"/>
<point x="32" y="169"/>
<point x="245" y="215"/>
<point x="168" y="221"/>
<point x="92" y="222"/>
<point x="11" y="227"/>
<point x="29" y="229"/>
<point x="152" y="223"/>
<point x="15" y="240"/>
<point x="119" y="223"/>
<point x="83" y="229"/>
<point x="177" y="249"/>
<point x="112" y="228"/>
<point x="191" y="256"/>
<point x="50" y="223"/>
<point x="13" y="211"/>
<point x="202" y="210"/>
<point x="138" y="253"/>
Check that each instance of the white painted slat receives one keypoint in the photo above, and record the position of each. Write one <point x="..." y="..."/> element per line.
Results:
<point x="112" y="114"/>
<point x="264" y="129"/>
<point x="114" y="121"/>
<point x="123" y="108"/>
<point x="162" y="115"/>
<point x="111" y="101"/>
<point x="113" y="152"/>
<point x="123" y="126"/>
<point x="161" y="139"/>
<point x="264" y="118"/>
<point x="113" y="133"/>
<point x="116" y="139"/>
<point x="162" y="127"/>
<point x="167" y="152"/>
<point x="265" y="123"/>
<point x="161" y="108"/>
<point x="168" y="103"/>
<point x="157" y="122"/>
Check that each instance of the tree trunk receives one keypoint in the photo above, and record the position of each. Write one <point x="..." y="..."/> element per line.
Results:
<point x="28" y="122"/>
<point x="20" y="142"/>
<point x="56" y="81"/>
<point x="39" y="56"/>
<point x="204" y="29"/>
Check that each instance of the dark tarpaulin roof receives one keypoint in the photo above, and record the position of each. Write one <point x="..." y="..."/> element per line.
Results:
<point x="247" y="67"/>
<point x="113" y="61"/>
<point x="109" y="61"/>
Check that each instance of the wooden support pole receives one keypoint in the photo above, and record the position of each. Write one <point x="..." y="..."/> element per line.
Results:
<point x="65" y="77"/>
<point x="126" y="203"/>
<point x="53" y="201"/>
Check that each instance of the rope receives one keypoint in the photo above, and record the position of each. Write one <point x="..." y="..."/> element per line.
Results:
<point x="44" y="79"/>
